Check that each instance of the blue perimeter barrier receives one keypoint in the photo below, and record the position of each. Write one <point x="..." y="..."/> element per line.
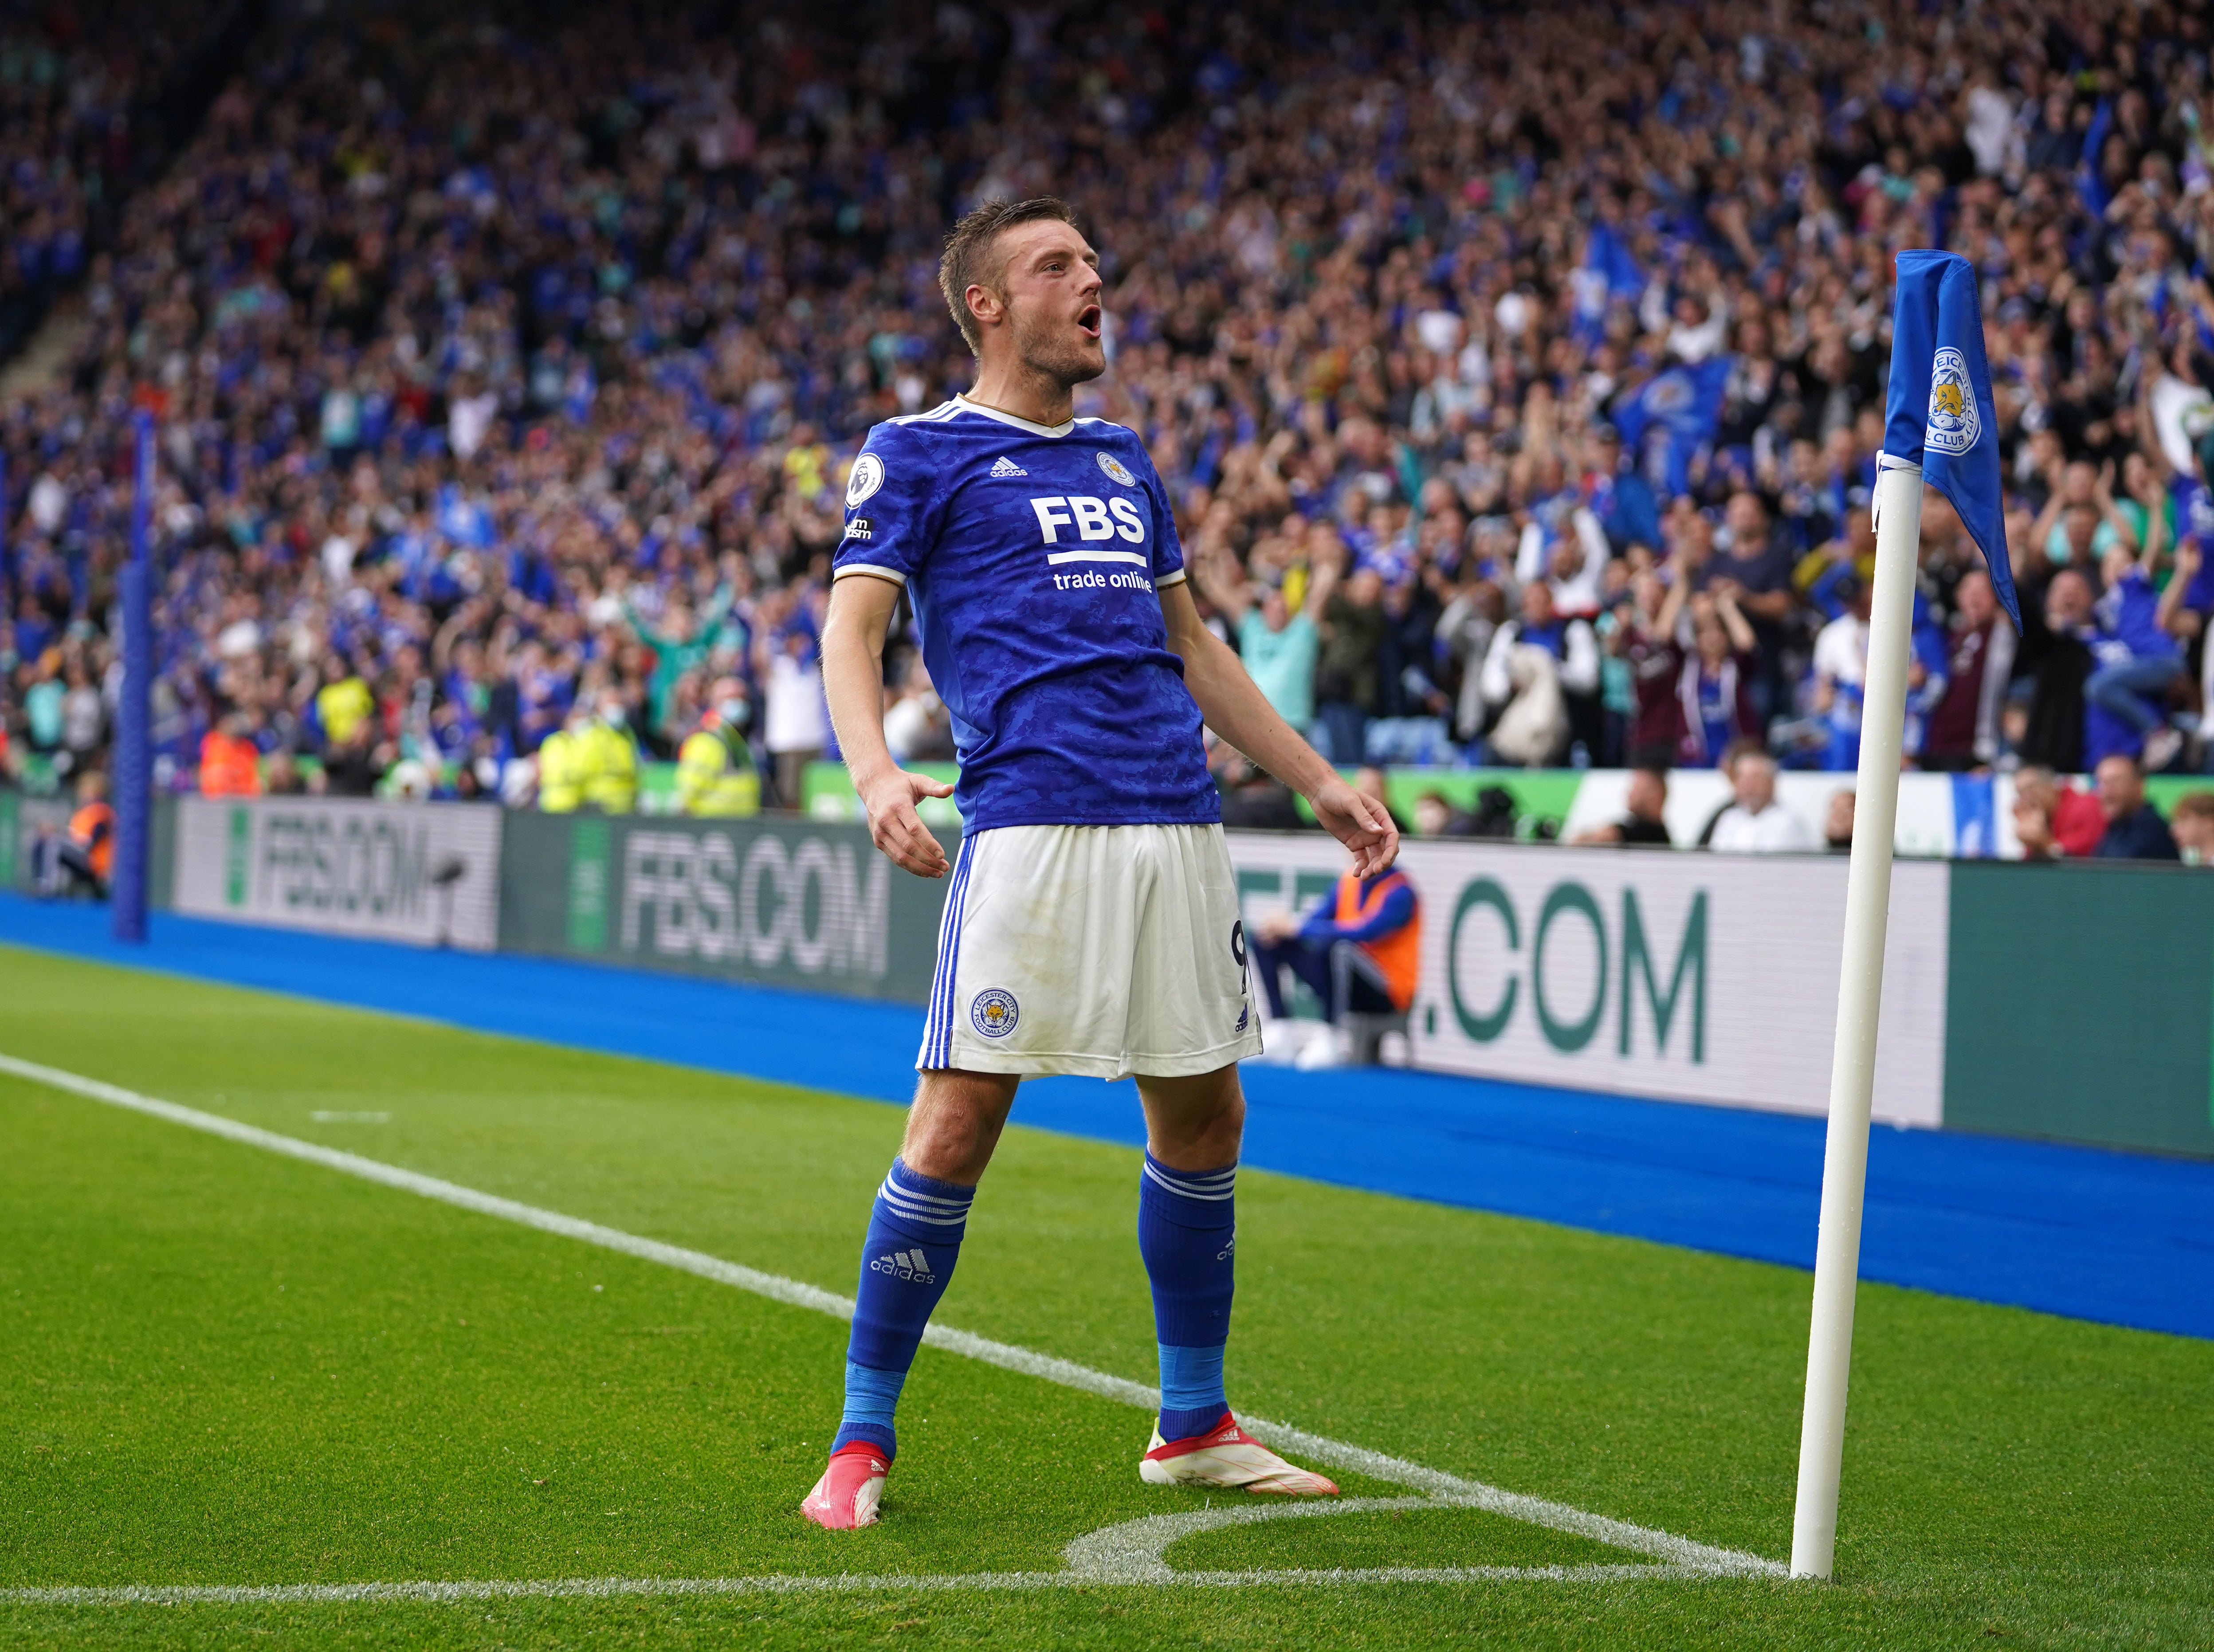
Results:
<point x="2122" y="1239"/>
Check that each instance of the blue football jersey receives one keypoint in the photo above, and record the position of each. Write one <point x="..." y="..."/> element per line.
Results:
<point x="1034" y="555"/>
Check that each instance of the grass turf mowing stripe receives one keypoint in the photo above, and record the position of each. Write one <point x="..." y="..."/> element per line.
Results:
<point x="1679" y="1552"/>
<point x="2111" y="1237"/>
<point x="609" y="1588"/>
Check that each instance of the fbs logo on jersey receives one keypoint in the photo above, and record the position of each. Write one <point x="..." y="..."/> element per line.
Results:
<point x="865" y="478"/>
<point x="1092" y="519"/>
<point x="1116" y="470"/>
<point x="1006" y="466"/>
<point x="994" y="1012"/>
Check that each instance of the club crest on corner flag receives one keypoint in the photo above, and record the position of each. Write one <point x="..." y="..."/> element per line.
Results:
<point x="1938" y="412"/>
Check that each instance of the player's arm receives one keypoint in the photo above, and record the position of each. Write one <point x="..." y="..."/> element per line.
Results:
<point x="861" y="606"/>
<point x="1237" y="711"/>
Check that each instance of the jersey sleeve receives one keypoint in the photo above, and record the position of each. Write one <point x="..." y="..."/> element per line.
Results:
<point x="894" y="503"/>
<point x="1168" y="549"/>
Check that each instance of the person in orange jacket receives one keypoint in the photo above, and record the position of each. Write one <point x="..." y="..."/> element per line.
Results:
<point x="1360" y="951"/>
<point x="231" y="764"/>
<point x="87" y="856"/>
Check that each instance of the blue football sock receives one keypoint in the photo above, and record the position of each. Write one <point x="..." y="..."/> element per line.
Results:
<point x="914" y="1238"/>
<point x="1192" y="1399"/>
<point x="871" y="1398"/>
<point x="1186" y="1224"/>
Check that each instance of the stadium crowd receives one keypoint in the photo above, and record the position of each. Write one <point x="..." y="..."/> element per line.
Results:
<point x="1518" y="380"/>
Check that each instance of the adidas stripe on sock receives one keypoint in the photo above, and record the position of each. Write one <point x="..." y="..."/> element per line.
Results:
<point x="914" y="1237"/>
<point x="1186" y="1232"/>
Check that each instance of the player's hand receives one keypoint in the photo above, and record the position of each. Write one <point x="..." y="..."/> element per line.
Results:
<point x="1362" y="824"/>
<point x="894" y="826"/>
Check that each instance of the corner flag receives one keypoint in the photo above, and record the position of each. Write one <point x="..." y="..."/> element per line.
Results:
<point x="1938" y="414"/>
<point x="1939" y="428"/>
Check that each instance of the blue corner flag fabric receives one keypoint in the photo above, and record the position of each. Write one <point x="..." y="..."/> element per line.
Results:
<point x="1938" y="414"/>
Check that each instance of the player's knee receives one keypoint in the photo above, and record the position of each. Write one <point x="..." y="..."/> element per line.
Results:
<point x="1195" y="1123"/>
<point x="955" y="1123"/>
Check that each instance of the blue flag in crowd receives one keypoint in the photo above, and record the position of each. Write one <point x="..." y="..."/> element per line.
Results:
<point x="1685" y="405"/>
<point x="1610" y="272"/>
<point x="1609" y="257"/>
<point x="2089" y="185"/>
<point x="1938" y="414"/>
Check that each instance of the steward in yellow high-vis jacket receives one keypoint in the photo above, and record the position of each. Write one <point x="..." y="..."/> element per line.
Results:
<point x="611" y="761"/>
<point x="715" y="771"/>
<point x="563" y="758"/>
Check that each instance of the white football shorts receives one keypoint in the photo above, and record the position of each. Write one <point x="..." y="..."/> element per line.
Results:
<point x="1100" y="951"/>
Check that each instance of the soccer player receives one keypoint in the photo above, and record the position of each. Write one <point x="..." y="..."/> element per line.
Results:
<point x="1091" y="916"/>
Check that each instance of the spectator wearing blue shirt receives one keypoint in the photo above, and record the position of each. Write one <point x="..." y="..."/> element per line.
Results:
<point x="2135" y="830"/>
<point x="2136" y="658"/>
<point x="1756" y="570"/>
<point x="1620" y="498"/>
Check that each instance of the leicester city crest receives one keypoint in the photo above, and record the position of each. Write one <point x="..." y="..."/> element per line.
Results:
<point x="994" y="1012"/>
<point x="1953" y="424"/>
<point x="1668" y="396"/>
<point x="1118" y="470"/>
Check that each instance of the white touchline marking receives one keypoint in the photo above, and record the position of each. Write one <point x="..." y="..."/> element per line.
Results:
<point x="1682" y="1555"/>
<point x="322" y="1116"/>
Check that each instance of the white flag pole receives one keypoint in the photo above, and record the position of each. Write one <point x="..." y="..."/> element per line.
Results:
<point x="1898" y="512"/>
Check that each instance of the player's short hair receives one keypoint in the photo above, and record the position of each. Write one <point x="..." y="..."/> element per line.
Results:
<point x="967" y="261"/>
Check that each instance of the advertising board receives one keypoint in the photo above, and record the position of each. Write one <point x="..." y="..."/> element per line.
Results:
<point x="1690" y="977"/>
<point x="424" y="873"/>
<point x="787" y="901"/>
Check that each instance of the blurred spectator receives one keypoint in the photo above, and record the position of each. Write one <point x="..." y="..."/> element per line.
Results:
<point x="2135" y="830"/>
<point x="1965" y="730"/>
<point x="2052" y="819"/>
<point x="1537" y="668"/>
<point x="610" y="758"/>
<point x="85" y="856"/>
<point x="565" y="764"/>
<point x="917" y="726"/>
<point x="1280" y="648"/>
<point x="2191" y="822"/>
<point x="1756" y="823"/>
<point x="1252" y="799"/>
<point x="1841" y="675"/>
<point x="1645" y="818"/>
<point x="1359" y="951"/>
<point x="1837" y="823"/>
<point x="1436" y="816"/>
<point x="2136" y="660"/>
<point x="715" y="771"/>
<point x="281" y="777"/>
<point x="2056" y="653"/>
<point x="1352" y="631"/>
<point x="230" y="766"/>
<point x="797" y="719"/>
<point x="352" y="767"/>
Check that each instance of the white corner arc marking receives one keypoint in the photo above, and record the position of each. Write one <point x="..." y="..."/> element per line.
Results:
<point x="1679" y="1555"/>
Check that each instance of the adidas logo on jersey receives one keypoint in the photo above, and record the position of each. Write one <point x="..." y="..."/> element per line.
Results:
<point x="910" y="1265"/>
<point x="1007" y="467"/>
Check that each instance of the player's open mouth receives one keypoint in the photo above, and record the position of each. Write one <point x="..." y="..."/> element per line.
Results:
<point x="1088" y="320"/>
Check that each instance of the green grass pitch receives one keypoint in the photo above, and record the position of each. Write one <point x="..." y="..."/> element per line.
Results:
<point x="222" y="1367"/>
